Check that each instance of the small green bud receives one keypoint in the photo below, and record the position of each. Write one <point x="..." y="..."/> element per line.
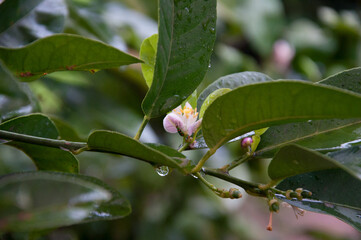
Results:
<point x="306" y="193"/>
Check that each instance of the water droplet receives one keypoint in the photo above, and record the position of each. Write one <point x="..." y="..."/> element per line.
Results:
<point x="162" y="171"/>
<point x="194" y="176"/>
<point x="187" y="9"/>
<point x="209" y="65"/>
<point x="212" y="30"/>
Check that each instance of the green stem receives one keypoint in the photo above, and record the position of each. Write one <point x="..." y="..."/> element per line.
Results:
<point x="72" y="146"/>
<point x="238" y="162"/>
<point x="249" y="187"/>
<point x="184" y="147"/>
<point x="200" y="164"/>
<point x="205" y="182"/>
<point x="141" y="128"/>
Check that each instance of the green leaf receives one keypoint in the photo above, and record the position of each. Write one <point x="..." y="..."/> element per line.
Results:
<point x="320" y="135"/>
<point x="232" y="81"/>
<point x="62" y="52"/>
<point x="45" y="158"/>
<point x="186" y="38"/>
<point x="277" y="102"/>
<point x="66" y="132"/>
<point x="350" y="159"/>
<point x="210" y="99"/>
<point x="148" y="51"/>
<point x="114" y="142"/>
<point x="292" y="160"/>
<point x="166" y="150"/>
<point x="191" y="99"/>
<point x="334" y="191"/>
<point x="34" y="201"/>
<point x="257" y="138"/>
<point x="16" y="98"/>
<point x="349" y="79"/>
<point x="24" y="21"/>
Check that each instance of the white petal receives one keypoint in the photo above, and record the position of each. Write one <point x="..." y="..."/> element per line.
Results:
<point x="188" y="105"/>
<point x="193" y="127"/>
<point x="178" y="111"/>
<point x="171" y="122"/>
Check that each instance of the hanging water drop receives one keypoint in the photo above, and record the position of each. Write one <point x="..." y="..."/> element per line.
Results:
<point x="209" y="65"/>
<point x="162" y="171"/>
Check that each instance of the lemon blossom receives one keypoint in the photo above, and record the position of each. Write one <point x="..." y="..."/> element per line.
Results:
<point x="184" y="121"/>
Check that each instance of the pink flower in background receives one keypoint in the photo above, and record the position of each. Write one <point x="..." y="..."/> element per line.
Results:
<point x="283" y="54"/>
<point x="184" y="121"/>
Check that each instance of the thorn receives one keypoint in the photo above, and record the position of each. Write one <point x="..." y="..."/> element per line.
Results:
<point x="269" y="226"/>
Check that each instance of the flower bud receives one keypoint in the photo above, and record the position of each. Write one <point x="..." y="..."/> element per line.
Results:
<point x="246" y="142"/>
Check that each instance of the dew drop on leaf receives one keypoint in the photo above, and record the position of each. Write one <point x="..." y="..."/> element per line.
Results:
<point x="162" y="171"/>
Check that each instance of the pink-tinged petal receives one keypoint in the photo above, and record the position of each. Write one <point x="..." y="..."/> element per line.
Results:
<point x="171" y="122"/>
<point x="193" y="127"/>
<point x="191" y="120"/>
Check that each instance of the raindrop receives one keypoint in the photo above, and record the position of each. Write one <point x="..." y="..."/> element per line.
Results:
<point x="162" y="171"/>
<point x="212" y="30"/>
<point x="194" y="176"/>
<point x="209" y="65"/>
<point x="187" y="9"/>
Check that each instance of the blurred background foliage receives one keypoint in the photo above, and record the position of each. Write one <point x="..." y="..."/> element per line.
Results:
<point x="284" y="39"/>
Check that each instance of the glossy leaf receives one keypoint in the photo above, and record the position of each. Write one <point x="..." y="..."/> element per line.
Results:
<point x="349" y="80"/>
<point x="277" y="102"/>
<point x="350" y="215"/>
<point x="62" y="52"/>
<point x="321" y="135"/>
<point x="334" y="192"/>
<point x="292" y="160"/>
<point x="148" y="52"/>
<point x="349" y="158"/>
<point x="45" y="158"/>
<point x="34" y="201"/>
<point x="210" y="99"/>
<point x="24" y="21"/>
<point x="114" y="142"/>
<point x="232" y="81"/>
<point x="166" y="150"/>
<point x="186" y="38"/>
